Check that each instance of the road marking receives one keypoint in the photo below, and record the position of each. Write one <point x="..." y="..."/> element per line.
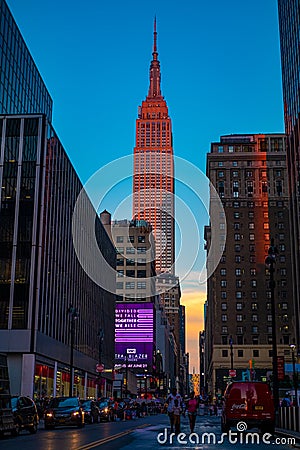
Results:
<point x="111" y="438"/>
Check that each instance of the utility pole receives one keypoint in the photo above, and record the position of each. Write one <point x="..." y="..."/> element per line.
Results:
<point x="270" y="262"/>
<point x="231" y="352"/>
<point x="101" y="337"/>
<point x="73" y="316"/>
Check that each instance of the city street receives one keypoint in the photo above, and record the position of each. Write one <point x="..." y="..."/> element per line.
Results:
<point x="140" y="434"/>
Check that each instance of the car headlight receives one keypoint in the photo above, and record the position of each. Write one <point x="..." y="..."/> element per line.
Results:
<point x="49" y="414"/>
<point x="76" y="413"/>
<point x="106" y="410"/>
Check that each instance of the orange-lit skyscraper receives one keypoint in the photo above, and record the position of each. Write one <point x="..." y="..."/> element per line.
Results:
<point x="153" y="181"/>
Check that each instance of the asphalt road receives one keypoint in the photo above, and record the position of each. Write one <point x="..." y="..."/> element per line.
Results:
<point x="140" y="434"/>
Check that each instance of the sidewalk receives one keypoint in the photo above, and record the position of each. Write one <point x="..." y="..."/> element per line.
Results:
<point x="289" y="433"/>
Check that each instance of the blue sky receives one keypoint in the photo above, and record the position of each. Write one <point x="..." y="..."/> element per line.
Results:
<point x="220" y="66"/>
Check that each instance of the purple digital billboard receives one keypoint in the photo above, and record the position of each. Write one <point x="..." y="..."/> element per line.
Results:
<point x="134" y="335"/>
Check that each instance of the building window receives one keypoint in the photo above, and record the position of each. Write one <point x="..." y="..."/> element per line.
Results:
<point x="224" y="317"/>
<point x="141" y="239"/>
<point x="252" y="272"/>
<point x="238" y="294"/>
<point x="225" y="353"/>
<point x="239" y="306"/>
<point x="253" y="283"/>
<point x="223" y="294"/>
<point x="223" y="272"/>
<point x="238" y="272"/>
<point x="223" y="283"/>
<point x="237" y="237"/>
<point x="237" y="247"/>
<point x="238" y="259"/>
<point x="141" y="284"/>
<point x="266" y="225"/>
<point x="253" y="294"/>
<point x="255" y="353"/>
<point x="240" y="353"/>
<point x="239" y="330"/>
<point x="251" y="225"/>
<point x="224" y="306"/>
<point x="130" y="285"/>
<point x="240" y="340"/>
<point x="130" y="250"/>
<point x="255" y="340"/>
<point x="224" y="329"/>
<point x="254" y="306"/>
<point x="220" y="149"/>
<point x="224" y="340"/>
<point x="239" y="317"/>
<point x="238" y="283"/>
<point x="269" y="317"/>
<point x="251" y="237"/>
<point x="255" y="329"/>
<point x="120" y="239"/>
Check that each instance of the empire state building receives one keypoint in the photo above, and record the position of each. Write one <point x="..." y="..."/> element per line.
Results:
<point x="153" y="179"/>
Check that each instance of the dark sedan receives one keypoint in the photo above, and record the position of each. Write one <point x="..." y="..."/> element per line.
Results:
<point x="25" y="414"/>
<point x="64" y="411"/>
<point x="106" y="411"/>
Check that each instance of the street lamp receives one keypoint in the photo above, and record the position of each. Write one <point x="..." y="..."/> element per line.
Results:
<point x="145" y="377"/>
<point x="100" y="335"/>
<point x="231" y="352"/>
<point x="74" y="314"/>
<point x="295" y="376"/>
<point x="270" y="262"/>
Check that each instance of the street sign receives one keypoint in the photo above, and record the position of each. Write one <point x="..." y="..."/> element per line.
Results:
<point x="232" y="373"/>
<point x="99" y="368"/>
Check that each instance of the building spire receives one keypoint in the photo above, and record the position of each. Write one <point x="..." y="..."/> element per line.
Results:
<point x="154" y="88"/>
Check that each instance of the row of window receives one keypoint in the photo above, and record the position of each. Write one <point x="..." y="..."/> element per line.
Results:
<point x="254" y="317"/>
<point x="120" y="239"/>
<point x="131" y="262"/>
<point x="131" y="285"/>
<point x="239" y="215"/>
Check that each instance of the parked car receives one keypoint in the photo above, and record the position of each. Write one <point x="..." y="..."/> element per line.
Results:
<point x="25" y="414"/>
<point x="91" y="411"/>
<point x="7" y="423"/>
<point x="106" y="411"/>
<point x="64" y="411"/>
<point x="249" y="402"/>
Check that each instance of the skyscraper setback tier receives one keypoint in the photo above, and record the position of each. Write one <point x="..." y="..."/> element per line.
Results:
<point x="153" y="180"/>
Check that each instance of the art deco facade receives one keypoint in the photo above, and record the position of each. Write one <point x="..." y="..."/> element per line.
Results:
<point x="289" y="24"/>
<point x="40" y="275"/>
<point x="22" y="89"/>
<point x="250" y="175"/>
<point x="153" y="180"/>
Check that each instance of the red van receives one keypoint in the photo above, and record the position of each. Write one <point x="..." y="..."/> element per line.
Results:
<point x="250" y="402"/>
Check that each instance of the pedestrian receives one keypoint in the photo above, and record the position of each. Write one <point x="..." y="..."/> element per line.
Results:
<point x="176" y="414"/>
<point x="192" y="405"/>
<point x="170" y="408"/>
<point x="115" y="409"/>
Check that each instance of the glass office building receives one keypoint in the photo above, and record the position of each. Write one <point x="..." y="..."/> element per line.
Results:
<point x="40" y="275"/>
<point x="22" y="89"/>
<point x="289" y="25"/>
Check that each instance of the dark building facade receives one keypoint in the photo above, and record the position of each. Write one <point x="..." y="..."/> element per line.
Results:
<point x="40" y="275"/>
<point x="250" y="175"/>
<point x="22" y="89"/>
<point x="289" y="25"/>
